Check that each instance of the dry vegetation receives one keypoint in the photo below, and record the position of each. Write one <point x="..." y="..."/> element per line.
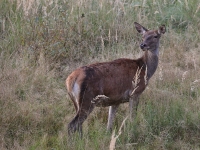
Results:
<point x="41" y="42"/>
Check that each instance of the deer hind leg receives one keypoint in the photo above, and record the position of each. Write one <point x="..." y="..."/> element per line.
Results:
<point x="111" y="116"/>
<point x="74" y="101"/>
<point x="77" y="121"/>
<point x="133" y="104"/>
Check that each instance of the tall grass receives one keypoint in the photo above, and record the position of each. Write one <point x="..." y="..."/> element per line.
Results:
<point x="41" y="42"/>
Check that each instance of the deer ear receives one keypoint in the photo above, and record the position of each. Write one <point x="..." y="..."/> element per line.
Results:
<point x="140" y="28"/>
<point x="162" y="29"/>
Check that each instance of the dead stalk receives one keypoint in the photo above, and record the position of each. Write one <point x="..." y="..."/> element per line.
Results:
<point x="114" y="138"/>
<point x="136" y="81"/>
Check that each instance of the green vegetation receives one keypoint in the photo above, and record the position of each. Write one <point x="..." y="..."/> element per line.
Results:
<point x="42" y="42"/>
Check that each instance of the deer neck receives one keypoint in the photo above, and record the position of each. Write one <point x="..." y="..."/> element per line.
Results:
<point x="151" y="60"/>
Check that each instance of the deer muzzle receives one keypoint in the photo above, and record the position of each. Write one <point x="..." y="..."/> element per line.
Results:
<point x="143" y="46"/>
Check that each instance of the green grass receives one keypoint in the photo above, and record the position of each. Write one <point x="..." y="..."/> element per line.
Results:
<point x="40" y="45"/>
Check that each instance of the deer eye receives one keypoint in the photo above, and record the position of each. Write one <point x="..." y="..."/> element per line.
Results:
<point x="155" y="36"/>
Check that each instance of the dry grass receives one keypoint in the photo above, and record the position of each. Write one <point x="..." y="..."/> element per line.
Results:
<point x="40" y="45"/>
<point x="115" y="137"/>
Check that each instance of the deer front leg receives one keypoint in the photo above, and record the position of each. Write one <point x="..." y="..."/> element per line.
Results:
<point x="133" y="104"/>
<point x="111" y="116"/>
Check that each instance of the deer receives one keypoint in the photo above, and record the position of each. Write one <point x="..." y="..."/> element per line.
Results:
<point x="111" y="83"/>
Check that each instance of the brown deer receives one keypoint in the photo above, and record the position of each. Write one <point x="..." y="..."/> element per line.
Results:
<point x="111" y="83"/>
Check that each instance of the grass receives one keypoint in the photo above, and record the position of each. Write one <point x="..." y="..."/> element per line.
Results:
<point x="42" y="42"/>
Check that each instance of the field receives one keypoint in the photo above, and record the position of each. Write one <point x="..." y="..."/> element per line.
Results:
<point x="42" y="42"/>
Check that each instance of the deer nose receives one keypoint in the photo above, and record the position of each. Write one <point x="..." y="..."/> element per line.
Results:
<point x="142" y="46"/>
